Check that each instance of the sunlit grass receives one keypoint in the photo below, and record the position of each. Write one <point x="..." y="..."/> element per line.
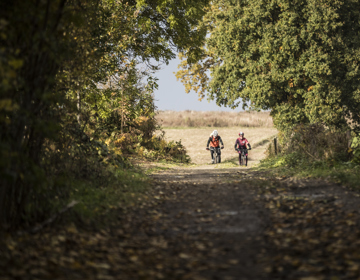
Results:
<point x="98" y="199"/>
<point x="345" y="173"/>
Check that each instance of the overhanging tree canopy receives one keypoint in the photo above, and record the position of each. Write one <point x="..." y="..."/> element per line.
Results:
<point x="53" y="54"/>
<point x="298" y="58"/>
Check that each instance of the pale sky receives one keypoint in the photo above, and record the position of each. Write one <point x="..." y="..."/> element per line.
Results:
<point x="171" y="93"/>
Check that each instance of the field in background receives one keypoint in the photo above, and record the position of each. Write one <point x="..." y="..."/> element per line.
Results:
<point x="195" y="141"/>
<point x="214" y="119"/>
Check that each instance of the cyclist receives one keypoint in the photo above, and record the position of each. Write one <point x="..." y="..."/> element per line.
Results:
<point x="214" y="141"/>
<point x="240" y="144"/>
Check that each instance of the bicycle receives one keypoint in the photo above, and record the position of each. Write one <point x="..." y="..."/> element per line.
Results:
<point x="243" y="156"/>
<point x="217" y="153"/>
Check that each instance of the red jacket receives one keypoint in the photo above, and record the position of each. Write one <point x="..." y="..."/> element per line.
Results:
<point x="241" y="143"/>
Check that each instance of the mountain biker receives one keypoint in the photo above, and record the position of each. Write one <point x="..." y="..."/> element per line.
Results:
<point x="241" y="143"/>
<point x="214" y="141"/>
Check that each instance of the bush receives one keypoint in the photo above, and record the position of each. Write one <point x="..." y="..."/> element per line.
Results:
<point x="315" y="143"/>
<point x="157" y="148"/>
<point x="355" y="149"/>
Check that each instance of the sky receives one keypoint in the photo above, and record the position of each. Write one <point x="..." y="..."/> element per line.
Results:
<point x="171" y="93"/>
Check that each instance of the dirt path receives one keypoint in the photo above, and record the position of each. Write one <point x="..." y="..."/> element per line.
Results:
<point x="209" y="208"/>
<point x="206" y="223"/>
<point x="265" y="227"/>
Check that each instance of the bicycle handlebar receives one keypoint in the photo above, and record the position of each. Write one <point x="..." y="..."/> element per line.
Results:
<point x="238" y="150"/>
<point x="212" y="148"/>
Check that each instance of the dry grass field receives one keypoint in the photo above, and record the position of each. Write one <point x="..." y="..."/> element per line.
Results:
<point x="213" y="119"/>
<point x="194" y="127"/>
<point x="195" y="139"/>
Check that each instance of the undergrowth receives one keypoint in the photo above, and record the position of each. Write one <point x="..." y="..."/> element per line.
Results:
<point x="345" y="173"/>
<point x="97" y="202"/>
<point x="315" y="152"/>
<point x="104" y="177"/>
<point x="116" y="191"/>
<point x="99" y="173"/>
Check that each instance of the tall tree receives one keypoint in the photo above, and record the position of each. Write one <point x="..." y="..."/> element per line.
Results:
<point x="298" y="58"/>
<point x="53" y="54"/>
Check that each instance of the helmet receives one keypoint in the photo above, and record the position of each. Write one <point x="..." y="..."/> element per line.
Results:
<point x="241" y="133"/>
<point x="215" y="133"/>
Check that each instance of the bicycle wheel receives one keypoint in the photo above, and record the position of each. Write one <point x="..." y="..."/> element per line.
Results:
<point x="242" y="159"/>
<point x="217" y="158"/>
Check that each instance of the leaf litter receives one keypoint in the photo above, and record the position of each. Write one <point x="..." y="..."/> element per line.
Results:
<point x="287" y="232"/>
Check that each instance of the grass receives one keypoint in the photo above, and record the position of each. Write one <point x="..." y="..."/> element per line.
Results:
<point x="229" y="163"/>
<point x="344" y="173"/>
<point x="97" y="200"/>
<point x="325" y="154"/>
<point x="195" y="119"/>
<point x="100" y="198"/>
<point x="162" y="165"/>
<point x="156" y="168"/>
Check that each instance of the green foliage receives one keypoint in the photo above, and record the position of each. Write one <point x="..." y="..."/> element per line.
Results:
<point x="316" y="151"/>
<point x="70" y="86"/>
<point x="291" y="165"/>
<point x="98" y="198"/>
<point x="316" y="142"/>
<point x="154" y="148"/>
<point x="312" y="145"/>
<point x="297" y="58"/>
<point x="355" y="149"/>
<point x="33" y="47"/>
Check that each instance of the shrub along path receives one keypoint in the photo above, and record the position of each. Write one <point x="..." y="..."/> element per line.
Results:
<point x="204" y="223"/>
